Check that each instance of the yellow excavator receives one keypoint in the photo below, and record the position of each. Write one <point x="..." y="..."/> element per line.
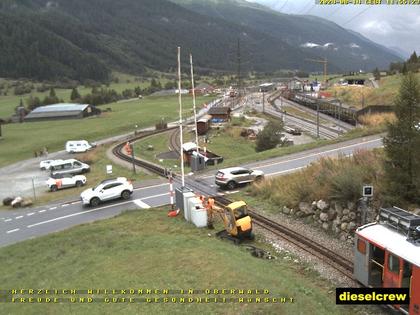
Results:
<point x="235" y="217"/>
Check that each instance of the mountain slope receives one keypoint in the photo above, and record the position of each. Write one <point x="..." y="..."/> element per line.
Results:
<point x="344" y="49"/>
<point x="81" y="39"/>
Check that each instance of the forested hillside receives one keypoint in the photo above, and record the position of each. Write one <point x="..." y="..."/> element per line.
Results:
<point x="81" y="39"/>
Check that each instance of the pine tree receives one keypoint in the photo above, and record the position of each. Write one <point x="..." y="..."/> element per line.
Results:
<point x="75" y="95"/>
<point x="52" y="93"/>
<point x="377" y="74"/>
<point x="402" y="144"/>
<point x="413" y="58"/>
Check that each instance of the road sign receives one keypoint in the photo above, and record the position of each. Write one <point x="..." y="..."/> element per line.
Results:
<point x="367" y="191"/>
<point x="109" y="169"/>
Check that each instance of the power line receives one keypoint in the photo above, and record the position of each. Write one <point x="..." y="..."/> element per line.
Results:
<point x="357" y="15"/>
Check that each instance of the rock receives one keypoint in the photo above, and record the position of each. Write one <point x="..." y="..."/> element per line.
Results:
<point x="343" y="237"/>
<point x="300" y="214"/>
<point x="286" y="210"/>
<point x="338" y="208"/>
<point x="305" y="208"/>
<point x="325" y="226"/>
<point x="323" y="216"/>
<point x="416" y="211"/>
<point x="313" y="205"/>
<point x="336" y="229"/>
<point x="352" y="215"/>
<point x="345" y="218"/>
<point x="7" y="201"/>
<point x="351" y="205"/>
<point x="343" y="226"/>
<point x="331" y="214"/>
<point x="346" y="211"/>
<point x="292" y="211"/>
<point x="27" y="202"/>
<point x="321" y="205"/>
<point x="17" y="202"/>
<point x="336" y="222"/>
<point x="351" y="226"/>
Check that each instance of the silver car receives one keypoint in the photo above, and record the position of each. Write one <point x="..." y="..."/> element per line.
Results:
<point x="234" y="176"/>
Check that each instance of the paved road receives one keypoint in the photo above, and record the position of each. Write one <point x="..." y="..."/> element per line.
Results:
<point x="22" y="224"/>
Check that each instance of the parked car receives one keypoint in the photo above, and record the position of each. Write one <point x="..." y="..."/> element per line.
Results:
<point x="46" y="164"/>
<point x="70" y="166"/>
<point x="293" y="131"/>
<point x="61" y="181"/>
<point x="107" y="190"/>
<point x="233" y="176"/>
<point x="78" y="146"/>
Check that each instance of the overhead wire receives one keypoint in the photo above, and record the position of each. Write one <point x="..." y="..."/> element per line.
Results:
<point x="357" y="15"/>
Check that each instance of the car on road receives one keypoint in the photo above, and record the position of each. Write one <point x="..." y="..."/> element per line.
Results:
<point x="234" y="176"/>
<point x="47" y="164"/>
<point x="78" y="146"/>
<point x="108" y="189"/>
<point x="61" y="181"/>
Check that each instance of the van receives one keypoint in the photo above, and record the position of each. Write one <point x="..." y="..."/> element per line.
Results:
<point x="70" y="166"/>
<point x="78" y="146"/>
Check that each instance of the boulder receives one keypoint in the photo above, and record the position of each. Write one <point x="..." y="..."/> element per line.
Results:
<point x="7" y="201"/>
<point x="352" y="215"/>
<point x="286" y="210"/>
<point x="305" y="208"/>
<point x="343" y="226"/>
<point x="313" y="205"/>
<point x="351" y="205"/>
<point x="331" y="214"/>
<point x="323" y="216"/>
<point x="321" y="205"/>
<point x="351" y="226"/>
<point x="346" y="211"/>
<point x="345" y="218"/>
<point x="338" y="208"/>
<point x="326" y="226"/>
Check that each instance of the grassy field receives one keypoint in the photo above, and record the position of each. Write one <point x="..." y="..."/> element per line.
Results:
<point x="147" y="250"/>
<point x="21" y="140"/>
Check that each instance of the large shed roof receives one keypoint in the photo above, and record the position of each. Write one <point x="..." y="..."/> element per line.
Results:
<point x="62" y="107"/>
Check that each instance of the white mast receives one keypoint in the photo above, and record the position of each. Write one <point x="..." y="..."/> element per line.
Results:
<point x="194" y="107"/>
<point x="181" y="152"/>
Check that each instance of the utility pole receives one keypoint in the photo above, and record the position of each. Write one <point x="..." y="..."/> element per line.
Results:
<point x="239" y="68"/>
<point x="263" y="102"/>
<point x="180" y="118"/>
<point x="132" y="158"/>
<point x="339" y="114"/>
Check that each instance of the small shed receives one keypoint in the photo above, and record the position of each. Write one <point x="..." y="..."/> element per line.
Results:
<point x="203" y="124"/>
<point x="220" y="113"/>
<point x="62" y="111"/>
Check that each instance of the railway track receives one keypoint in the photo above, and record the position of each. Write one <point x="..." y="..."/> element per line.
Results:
<point x="341" y="264"/>
<point x="174" y="144"/>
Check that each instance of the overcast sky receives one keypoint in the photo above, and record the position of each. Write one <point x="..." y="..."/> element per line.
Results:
<point x="391" y="26"/>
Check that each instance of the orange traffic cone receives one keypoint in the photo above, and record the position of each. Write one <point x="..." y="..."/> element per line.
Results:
<point x="173" y="213"/>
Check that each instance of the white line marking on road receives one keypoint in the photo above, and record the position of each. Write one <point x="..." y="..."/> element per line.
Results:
<point x="75" y="203"/>
<point x="232" y="192"/>
<point x="160" y="195"/>
<point x="77" y="213"/>
<point x="29" y="214"/>
<point x="19" y="217"/>
<point x="52" y="208"/>
<point x="142" y="188"/>
<point x="287" y="171"/>
<point x="11" y="231"/>
<point x="141" y="204"/>
<point x="41" y="211"/>
<point x="65" y="205"/>
<point x="7" y="220"/>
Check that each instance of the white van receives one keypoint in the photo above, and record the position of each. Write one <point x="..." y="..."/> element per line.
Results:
<point x="78" y="146"/>
<point x="70" y="166"/>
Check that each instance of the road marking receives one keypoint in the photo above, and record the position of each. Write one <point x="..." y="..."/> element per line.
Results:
<point x="19" y="217"/>
<point x="319" y="153"/>
<point x="77" y="213"/>
<point x="52" y="208"/>
<point x="41" y="211"/>
<point x="142" y="188"/>
<point x="160" y="195"/>
<point x="65" y="205"/>
<point x="141" y="204"/>
<point x="29" y="214"/>
<point x="75" y="203"/>
<point x="7" y="220"/>
<point x="11" y="231"/>
<point x="287" y="171"/>
<point x="232" y="192"/>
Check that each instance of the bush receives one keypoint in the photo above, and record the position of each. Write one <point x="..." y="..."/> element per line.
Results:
<point x="269" y="137"/>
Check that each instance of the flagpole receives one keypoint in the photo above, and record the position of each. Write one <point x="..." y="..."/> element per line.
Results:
<point x="181" y="151"/>
<point x="194" y="107"/>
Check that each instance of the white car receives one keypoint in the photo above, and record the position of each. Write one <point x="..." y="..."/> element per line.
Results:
<point x="47" y="164"/>
<point x="64" y="181"/>
<point x="107" y="190"/>
<point x="78" y="146"/>
<point x="235" y="176"/>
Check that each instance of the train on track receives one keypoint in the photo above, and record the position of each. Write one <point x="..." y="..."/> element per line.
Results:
<point x="387" y="254"/>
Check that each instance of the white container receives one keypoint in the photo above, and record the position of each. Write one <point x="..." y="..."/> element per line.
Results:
<point x="187" y="197"/>
<point x="199" y="217"/>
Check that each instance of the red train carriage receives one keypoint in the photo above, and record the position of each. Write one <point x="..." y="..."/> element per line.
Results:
<point x="387" y="254"/>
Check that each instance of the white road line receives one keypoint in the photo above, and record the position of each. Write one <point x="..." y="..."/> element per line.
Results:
<point x="41" y="211"/>
<point x="19" y="217"/>
<point x="143" y="188"/>
<point x="65" y="205"/>
<point x="11" y="231"/>
<point x="7" y="220"/>
<point x="141" y="204"/>
<point x="52" y="208"/>
<point x="287" y="171"/>
<point x="319" y="153"/>
<point x="75" y="203"/>
<point x="77" y="213"/>
<point x="232" y="192"/>
<point x="160" y="195"/>
<point x="29" y="214"/>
